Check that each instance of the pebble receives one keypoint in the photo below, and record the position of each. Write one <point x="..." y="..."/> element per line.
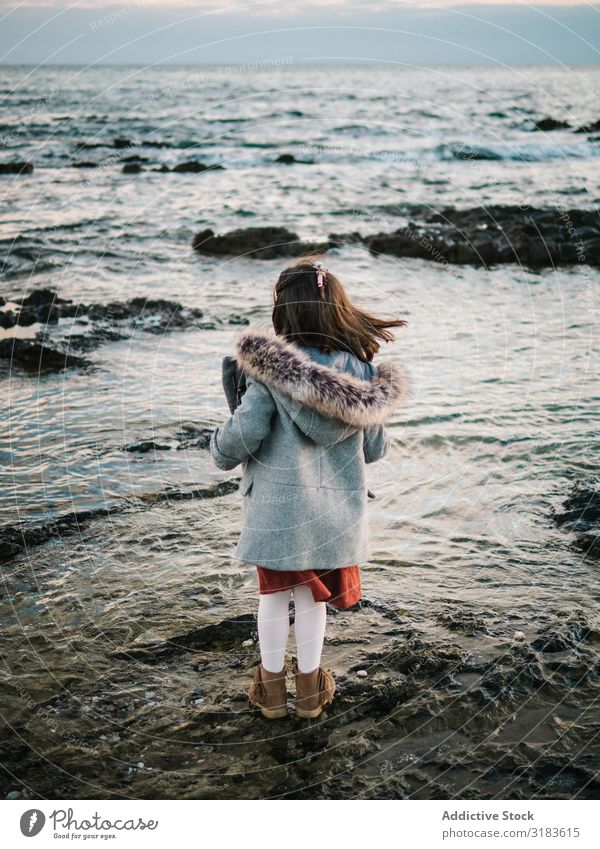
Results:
<point x="362" y="673"/>
<point x="247" y="643"/>
<point x="519" y="635"/>
<point x="140" y="765"/>
<point x="14" y="794"/>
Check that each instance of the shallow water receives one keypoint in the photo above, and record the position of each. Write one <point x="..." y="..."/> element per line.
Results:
<point x="501" y="422"/>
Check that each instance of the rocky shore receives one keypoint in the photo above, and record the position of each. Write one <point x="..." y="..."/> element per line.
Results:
<point x="483" y="237"/>
<point x="93" y="325"/>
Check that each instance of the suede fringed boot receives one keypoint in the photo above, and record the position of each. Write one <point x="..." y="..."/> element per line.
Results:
<point x="268" y="693"/>
<point x="314" y="690"/>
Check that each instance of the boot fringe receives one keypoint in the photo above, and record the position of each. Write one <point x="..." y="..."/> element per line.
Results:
<point x="326" y="686"/>
<point x="257" y="695"/>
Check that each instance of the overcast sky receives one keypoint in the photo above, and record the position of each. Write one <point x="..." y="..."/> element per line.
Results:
<point x="225" y="31"/>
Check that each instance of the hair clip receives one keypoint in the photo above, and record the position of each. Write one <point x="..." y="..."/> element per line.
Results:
<point x="321" y="272"/>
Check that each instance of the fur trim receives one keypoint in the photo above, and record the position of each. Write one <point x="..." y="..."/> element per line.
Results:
<point x="338" y="395"/>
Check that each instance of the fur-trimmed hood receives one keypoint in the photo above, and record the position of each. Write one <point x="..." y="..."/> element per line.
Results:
<point x="335" y="394"/>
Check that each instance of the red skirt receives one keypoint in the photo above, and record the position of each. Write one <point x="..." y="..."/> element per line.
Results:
<point x="338" y="587"/>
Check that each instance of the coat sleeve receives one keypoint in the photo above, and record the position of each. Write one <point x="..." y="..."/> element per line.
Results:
<point x="243" y="432"/>
<point x="376" y="442"/>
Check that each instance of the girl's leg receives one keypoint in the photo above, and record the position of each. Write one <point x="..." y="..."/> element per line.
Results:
<point x="273" y="628"/>
<point x="310" y="622"/>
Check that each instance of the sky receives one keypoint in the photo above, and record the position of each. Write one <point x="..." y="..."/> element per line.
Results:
<point x="226" y="31"/>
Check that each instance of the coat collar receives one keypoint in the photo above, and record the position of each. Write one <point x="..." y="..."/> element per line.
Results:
<point x="339" y="395"/>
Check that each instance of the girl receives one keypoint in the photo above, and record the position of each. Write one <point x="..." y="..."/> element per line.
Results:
<point x="312" y="414"/>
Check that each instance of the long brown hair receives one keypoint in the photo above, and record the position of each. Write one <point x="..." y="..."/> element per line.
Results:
<point x="324" y="317"/>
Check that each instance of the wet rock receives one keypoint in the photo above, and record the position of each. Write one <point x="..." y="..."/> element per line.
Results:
<point x="15" y="538"/>
<point x="569" y="636"/>
<point x="16" y="168"/>
<point x="40" y="297"/>
<point x="190" y="436"/>
<point x="290" y="159"/>
<point x="107" y="322"/>
<point x="195" y="168"/>
<point x="40" y="306"/>
<point x="146" y="446"/>
<point x="224" y="635"/>
<point x="581" y="512"/>
<point x="464" y="621"/>
<point x="581" y="509"/>
<point x="120" y="144"/>
<point x="548" y="124"/>
<point x="38" y="358"/>
<point x="589" y="128"/>
<point x="84" y="164"/>
<point x="497" y="234"/>
<point x="259" y="242"/>
<point x="216" y="490"/>
<point x="589" y="544"/>
<point x="132" y="168"/>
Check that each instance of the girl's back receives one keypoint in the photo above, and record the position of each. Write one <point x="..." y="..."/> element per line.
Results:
<point x="310" y="419"/>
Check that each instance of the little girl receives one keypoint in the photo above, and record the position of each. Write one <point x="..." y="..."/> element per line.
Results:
<point x="308" y="413"/>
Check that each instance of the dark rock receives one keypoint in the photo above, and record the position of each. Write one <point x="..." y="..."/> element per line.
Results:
<point x="497" y="234"/>
<point x="589" y="544"/>
<point x="8" y="319"/>
<point x="286" y="159"/>
<point x="548" y="124"/>
<point x="190" y="436"/>
<point x="224" y="635"/>
<point x="563" y="639"/>
<point x="38" y="297"/>
<point x="194" y="167"/>
<point x="261" y="242"/>
<point x="120" y="144"/>
<point x="132" y="168"/>
<point x="16" y="168"/>
<point x="589" y="128"/>
<point x="85" y="164"/>
<point x="38" y="358"/>
<point x="15" y="538"/>
<point x="581" y="510"/>
<point x="146" y="446"/>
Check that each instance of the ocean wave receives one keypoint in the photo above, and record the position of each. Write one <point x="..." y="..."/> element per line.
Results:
<point x="517" y="152"/>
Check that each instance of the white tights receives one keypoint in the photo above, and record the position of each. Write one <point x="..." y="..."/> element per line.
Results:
<point x="274" y="628"/>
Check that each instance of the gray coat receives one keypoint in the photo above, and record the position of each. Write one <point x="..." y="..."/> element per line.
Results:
<point x="307" y="424"/>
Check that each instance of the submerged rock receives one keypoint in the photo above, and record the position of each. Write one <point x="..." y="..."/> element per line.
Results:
<point x="38" y="358"/>
<point x="16" y="538"/>
<point x="549" y="124"/>
<point x="153" y="315"/>
<point x="581" y="512"/>
<point x="132" y="168"/>
<point x="16" y="168"/>
<point x="194" y="167"/>
<point x="589" y="128"/>
<point x="259" y="242"/>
